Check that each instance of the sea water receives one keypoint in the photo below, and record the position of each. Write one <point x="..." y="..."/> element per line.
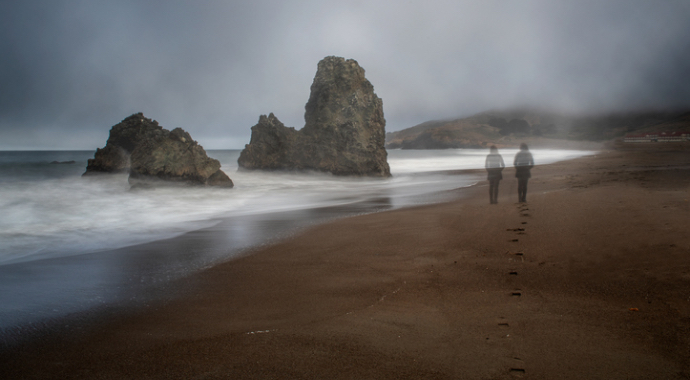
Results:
<point x="63" y="237"/>
<point x="48" y="210"/>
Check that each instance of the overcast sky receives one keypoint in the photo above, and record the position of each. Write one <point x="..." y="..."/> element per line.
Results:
<point x="70" y="70"/>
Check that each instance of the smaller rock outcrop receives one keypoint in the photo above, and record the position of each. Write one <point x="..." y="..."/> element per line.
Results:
<point x="150" y="153"/>
<point x="272" y="146"/>
<point x="344" y="131"/>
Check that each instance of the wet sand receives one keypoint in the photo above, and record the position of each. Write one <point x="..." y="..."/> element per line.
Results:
<point x="589" y="279"/>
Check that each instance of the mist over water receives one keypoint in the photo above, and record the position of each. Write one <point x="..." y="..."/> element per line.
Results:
<point x="70" y="243"/>
<point x="194" y="65"/>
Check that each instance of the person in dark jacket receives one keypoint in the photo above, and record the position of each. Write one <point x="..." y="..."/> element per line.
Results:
<point x="494" y="166"/>
<point x="523" y="164"/>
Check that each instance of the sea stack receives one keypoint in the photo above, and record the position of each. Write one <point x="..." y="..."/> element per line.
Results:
<point x="344" y="131"/>
<point x="152" y="154"/>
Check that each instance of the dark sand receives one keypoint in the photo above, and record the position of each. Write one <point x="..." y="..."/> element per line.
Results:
<point x="589" y="279"/>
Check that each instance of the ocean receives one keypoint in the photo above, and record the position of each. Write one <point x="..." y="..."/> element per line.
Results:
<point x="70" y="244"/>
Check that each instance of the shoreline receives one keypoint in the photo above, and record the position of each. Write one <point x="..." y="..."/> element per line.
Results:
<point x="143" y="271"/>
<point x="587" y="279"/>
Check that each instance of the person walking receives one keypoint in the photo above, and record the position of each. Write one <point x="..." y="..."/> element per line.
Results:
<point x="494" y="166"/>
<point x="523" y="164"/>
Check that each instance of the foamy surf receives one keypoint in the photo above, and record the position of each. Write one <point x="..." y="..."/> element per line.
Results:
<point x="50" y="211"/>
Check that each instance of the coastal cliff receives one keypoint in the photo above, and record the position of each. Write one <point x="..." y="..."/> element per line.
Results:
<point x="507" y="129"/>
<point x="150" y="153"/>
<point x="344" y="131"/>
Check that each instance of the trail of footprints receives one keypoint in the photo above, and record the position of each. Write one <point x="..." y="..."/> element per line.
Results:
<point x="522" y="208"/>
<point x="517" y="368"/>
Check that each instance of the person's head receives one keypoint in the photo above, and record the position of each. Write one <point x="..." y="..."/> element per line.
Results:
<point x="493" y="149"/>
<point x="523" y="146"/>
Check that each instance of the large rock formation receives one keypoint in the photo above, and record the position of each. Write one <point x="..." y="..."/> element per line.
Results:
<point x="152" y="154"/>
<point x="344" y="131"/>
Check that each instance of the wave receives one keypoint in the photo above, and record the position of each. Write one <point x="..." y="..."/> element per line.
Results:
<point x="50" y="210"/>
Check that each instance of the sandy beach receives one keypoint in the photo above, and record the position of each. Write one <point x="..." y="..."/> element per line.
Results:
<point x="588" y="279"/>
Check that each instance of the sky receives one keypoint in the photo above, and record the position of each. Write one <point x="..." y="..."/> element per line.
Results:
<point x="70" y="70"/>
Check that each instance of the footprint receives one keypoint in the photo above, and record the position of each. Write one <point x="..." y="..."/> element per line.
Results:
<point x="518" y="254"/>
<point x="518" y="368"/>
<point x="517" y="372"/>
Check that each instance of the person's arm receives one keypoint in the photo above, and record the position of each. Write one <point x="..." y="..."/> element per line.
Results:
<point x="503" y="165"/>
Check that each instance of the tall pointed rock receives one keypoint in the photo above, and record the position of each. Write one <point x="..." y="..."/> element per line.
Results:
<point x="344" y="130"/>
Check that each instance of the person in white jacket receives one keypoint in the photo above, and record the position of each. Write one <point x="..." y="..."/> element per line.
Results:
<point x="494" y="166"/>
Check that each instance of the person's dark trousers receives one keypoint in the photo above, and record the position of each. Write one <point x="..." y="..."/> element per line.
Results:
<point x="522" y="190"/>
<point x="493" y="190"/>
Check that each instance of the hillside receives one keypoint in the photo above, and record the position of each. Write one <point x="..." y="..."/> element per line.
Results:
<point x="538" y="128"/>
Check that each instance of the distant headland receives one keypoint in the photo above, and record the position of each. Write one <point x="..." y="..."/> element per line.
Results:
<point x="537" y="128"/>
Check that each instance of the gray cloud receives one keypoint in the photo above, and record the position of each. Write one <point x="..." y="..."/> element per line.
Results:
<point x="71" y="69"/>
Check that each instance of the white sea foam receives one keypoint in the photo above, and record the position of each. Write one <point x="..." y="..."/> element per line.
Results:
<point x="415" y="161"/>
<point x="48" y="215"/>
